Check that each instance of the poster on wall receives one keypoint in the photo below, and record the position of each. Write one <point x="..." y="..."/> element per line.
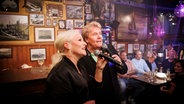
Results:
<point x="14" y="28"/>
<point x="133" y="22"/>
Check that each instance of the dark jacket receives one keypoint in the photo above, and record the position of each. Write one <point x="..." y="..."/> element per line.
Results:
<point x="64" y="85"/>
<point x="109" y="93"/>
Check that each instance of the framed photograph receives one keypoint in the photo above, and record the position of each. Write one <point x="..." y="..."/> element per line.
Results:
<point x="5" y="52"/>
<point x="89" y="16"/>
<point x="69" y="24"/>
<point x="73" y="1"/>
<point x="44" y="34"/>
<point x="48" y="22"/>
<point x="142" y="48"/>
<point x="120" y="47"/>
<point x="133" y="28"/>
<point x="37" y="53"/>
<point x="36" y="19"/>
<point x="62" y="24"/>
<point x="130" y="48"/>
<point x="17" y="29"/>
<point x="74" y="11"/>
<point x="88" y="8"/>
<point x="136" y="46"/>
<point x="54" y="22"/>
<point x="54" y="10"/>
<point x="78" y="23"/>
<point x="9" y="5"/>
<point x="33" y="5"/>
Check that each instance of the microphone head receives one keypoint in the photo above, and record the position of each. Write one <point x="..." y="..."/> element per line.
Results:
<point x="96" y="52"/>
<point x="104" y="46"/>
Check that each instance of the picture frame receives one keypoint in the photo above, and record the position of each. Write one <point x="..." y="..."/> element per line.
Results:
<point x="44" y="34"/>
<point x="74" y="11"/>
<point x="87" y="8"/>
<point x="69" y="24"/>
<point x="89" y="16"/>
<point x="33" y="5"/>
<point x="9" y="5"/>
<point x="121" y="47"/>
<point x="20" y="32"/>
<point x="48" y="22"/>
<point x="73" y="1"/>
<point x="136" y="47"/>
<point x="78" y="23"/>
<point x="5" y="52"/>
<point x="36" y="19"/>
<point x="136" y="27"/>
<point x="54" y="9"/>
<point x="130" y="48"/>
<point x="54" y="22"/>
<point x="62" y="24"/>
<point x="37" y="53"/>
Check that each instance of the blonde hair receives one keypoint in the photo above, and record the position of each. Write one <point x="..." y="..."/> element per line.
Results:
<point x="88" y="28"/>
<point x="66" y="36"/>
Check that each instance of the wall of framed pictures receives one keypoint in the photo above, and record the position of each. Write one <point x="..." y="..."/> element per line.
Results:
<point x="34" y="24"/>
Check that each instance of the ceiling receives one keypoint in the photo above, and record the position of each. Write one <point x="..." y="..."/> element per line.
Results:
<point x="167" y="3"/>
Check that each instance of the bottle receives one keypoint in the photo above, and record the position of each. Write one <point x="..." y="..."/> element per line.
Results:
<point x="161" y="69"/>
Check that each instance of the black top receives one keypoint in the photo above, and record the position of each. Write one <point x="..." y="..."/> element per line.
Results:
<point x="64" y="85"/>
<point x="110" y="92"/>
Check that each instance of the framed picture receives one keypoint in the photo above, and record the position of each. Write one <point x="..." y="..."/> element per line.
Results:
<point x="142" y="48"/>
<point x="69" y="24"/>
<point x="136" y="46"/>
<point x="130" y="48"/>
<point x="120" y="47"/>
<point x="9" y="5"/>
<point x="78" y="23"/>
<point x="36" y="19"/>
<point x="48" y="22"/>
<point x="33" y="5"/>
<point x="5" y="52"/>
<point x="73" y="1"/>
<point x="44" y="34"/>
<point x="134" y="28"/>
<point x="88" y="8"/>
<point x="74" y="11"/>
<point x="54" y="22"/>
<point x="54" y="9"/>
<point x="62" y="24"/>
<point x="37" y="53"/>
<point x="89" y="16"/>
<point x="14" y="27"/>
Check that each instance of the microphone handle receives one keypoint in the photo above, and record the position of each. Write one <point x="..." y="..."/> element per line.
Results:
<point x="110" y="59"/>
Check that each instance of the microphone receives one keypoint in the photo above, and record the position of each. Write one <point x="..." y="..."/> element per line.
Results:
<point x="106" y="49"/>
<point x="98" y="53"/>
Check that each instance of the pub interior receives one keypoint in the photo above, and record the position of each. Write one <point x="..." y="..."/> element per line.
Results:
<point x="28" y="29"/>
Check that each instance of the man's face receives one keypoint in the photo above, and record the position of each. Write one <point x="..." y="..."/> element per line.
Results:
<point x="123" y="56"/>
<point x="94" y="39"/>
<point x="138" y="55"/>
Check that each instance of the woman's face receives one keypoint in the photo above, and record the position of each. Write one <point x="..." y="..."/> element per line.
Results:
<point x="78" y="46"/>
<point x="94" y="38"/>
<point x="178" y="67"/>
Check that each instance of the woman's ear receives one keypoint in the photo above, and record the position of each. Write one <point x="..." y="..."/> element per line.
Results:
<point x="67" y="45"/>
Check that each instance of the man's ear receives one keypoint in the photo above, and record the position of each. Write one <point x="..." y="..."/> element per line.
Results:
<point x="67" y="45"/>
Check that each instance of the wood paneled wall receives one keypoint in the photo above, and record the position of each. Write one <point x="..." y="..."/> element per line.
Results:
<point x="21" y="55"/>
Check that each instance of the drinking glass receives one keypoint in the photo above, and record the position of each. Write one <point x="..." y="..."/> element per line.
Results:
<point x="40" y="62"/>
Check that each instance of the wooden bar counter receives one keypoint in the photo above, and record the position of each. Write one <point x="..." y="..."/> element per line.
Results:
<point x="23" y="85"/>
